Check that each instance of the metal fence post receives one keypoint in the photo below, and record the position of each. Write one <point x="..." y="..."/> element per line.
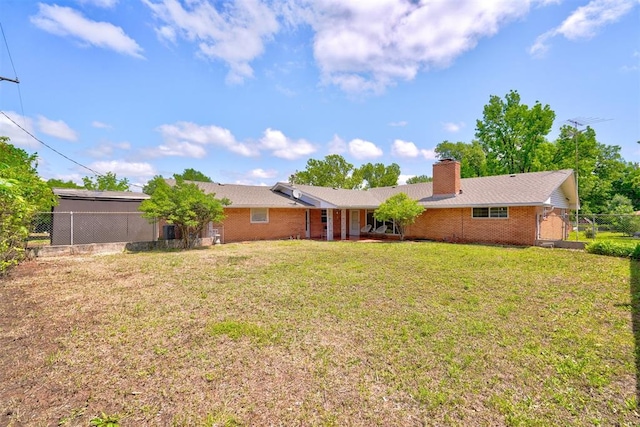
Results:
<point x="71" y="215"/>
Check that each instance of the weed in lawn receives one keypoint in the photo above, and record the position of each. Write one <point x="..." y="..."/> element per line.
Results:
<point x="105" y="420"/>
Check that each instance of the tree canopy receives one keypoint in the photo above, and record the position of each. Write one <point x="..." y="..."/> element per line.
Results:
<point x="106" y="182"/>
<point x="58" y="183"/>
<point x="401" y="209"/>
<point x="184" y="205"/>
<point x="334" y="171"/>
<point x="22" y="194"/>
<point x="419" y="178"/>
<point x="193" y="175"/>
<point x="510" y="133"/>
<point x="473" y="161"/>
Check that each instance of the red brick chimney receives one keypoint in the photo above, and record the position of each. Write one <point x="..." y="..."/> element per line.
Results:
<point x="446" y="178"/>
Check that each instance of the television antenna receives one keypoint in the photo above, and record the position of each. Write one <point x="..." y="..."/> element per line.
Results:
<point x="580" y="122"/>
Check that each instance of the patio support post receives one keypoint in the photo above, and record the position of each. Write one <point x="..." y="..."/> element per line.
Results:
<point x="329" y="224"/>
<point x="343" y="224"/>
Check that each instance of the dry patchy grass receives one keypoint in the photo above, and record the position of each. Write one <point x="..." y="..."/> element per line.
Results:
<point x="316" y="333"/>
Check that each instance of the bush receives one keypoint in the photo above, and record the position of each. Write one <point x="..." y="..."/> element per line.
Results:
<point x="614" y="248"/>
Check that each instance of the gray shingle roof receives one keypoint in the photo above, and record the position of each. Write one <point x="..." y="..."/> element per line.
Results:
<point x="525" y="189"/>
<point x="248" y="196"/>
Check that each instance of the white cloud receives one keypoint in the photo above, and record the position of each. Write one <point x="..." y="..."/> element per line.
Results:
<point x="453" y="127"/>
<point x="234" y="34"/>
<point x="263" y="174"/>
<point x="284" y="147"/>
<point x="401" y="123"/>
<point x="337" y="145"/>
<point x="407" y="149"/>
<point x="16" y="135"/>
<point x="584" y="22"/>
<point x="65" y="21"/>
<point x="361" y="149"/>
<point x="402" y="179"/>
<point x="106" y="149"/>
<point x="187" y="139"/>
<point x="367" y="46"/>
<point x="100" y="125"/>
<point x="124" y="168"/>
<point x="107" y="4"/>
<point x="57" y="129"/>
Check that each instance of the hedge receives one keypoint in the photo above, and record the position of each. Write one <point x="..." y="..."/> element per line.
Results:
<point x="614" y="248"/>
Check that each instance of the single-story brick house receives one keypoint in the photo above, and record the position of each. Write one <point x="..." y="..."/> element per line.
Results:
<point x="87" y="216"/>
<point x="518" y="209"/>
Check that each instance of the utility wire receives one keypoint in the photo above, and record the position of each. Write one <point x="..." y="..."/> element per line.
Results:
<point x="8" y="51"/>
<point x="59" y="153"/>
<point x="48" y="146"/>
<point x="15" y="73"/>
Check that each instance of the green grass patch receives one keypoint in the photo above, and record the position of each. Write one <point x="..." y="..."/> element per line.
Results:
<point x="320" y="333"/>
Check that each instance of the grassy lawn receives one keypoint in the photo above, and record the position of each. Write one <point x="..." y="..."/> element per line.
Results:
<point x="602" y="235"/>
<point x="316" y="333"/>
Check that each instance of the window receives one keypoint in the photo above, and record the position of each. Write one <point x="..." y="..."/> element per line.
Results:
<point x="391" y="226"/>
<point x="259" y="215"/>
<point x="323" y="216"/>
<point x="498" y="212"/>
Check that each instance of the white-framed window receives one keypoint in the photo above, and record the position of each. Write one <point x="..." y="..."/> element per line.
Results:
<point x="259" y="215"/>
<point x="494" y="212"/>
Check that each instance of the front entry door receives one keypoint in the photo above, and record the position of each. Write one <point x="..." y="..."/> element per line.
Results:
<point x="354" y="223"/>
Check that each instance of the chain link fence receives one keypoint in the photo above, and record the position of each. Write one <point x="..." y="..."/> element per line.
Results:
<point x="587" y="227"/>
<point x="75" y="228"/>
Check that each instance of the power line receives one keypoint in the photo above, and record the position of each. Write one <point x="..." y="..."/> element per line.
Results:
<point x="10" y="58"/>
<point x="48" y="146"/>
<point x="96" y="173"/>
<point x="15" y="73"/>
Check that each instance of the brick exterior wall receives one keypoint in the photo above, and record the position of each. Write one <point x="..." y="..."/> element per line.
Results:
<point x="457" y="225"/>
<point x="446" y="177"/>
<point x="283" y="224"/>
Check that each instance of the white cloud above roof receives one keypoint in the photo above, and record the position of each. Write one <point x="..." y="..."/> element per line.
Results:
<point x="361" y="149"/>
<point x="57" y="129"/>
<point x="68" y="22"/>
<point x="584" y="22"/>
<point x="235" y="34"/>
<point x="284" y="147"/>
<point x="124" y="168"/>
<point x="18" y="137"/>
<point x="409" y="150"/>
<point x="367" y="46"/>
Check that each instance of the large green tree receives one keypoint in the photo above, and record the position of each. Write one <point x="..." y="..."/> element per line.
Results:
<point x="334" y="171"/>
<point x="378" y="175"/>
<point x="184" y="205"/>
<point x="22" y="194"/>
<point x="106" y="182"/>
<point x="401" y="209"/>
<point x="419" y="178"/>
<point x="191" y="174"/>
<point x="511" y="133"/>
<point x="472" y="158"/>
<point x="58" y="183"/>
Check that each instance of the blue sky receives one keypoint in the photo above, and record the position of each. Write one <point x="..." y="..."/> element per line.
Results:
<point x="247" y="91"/>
